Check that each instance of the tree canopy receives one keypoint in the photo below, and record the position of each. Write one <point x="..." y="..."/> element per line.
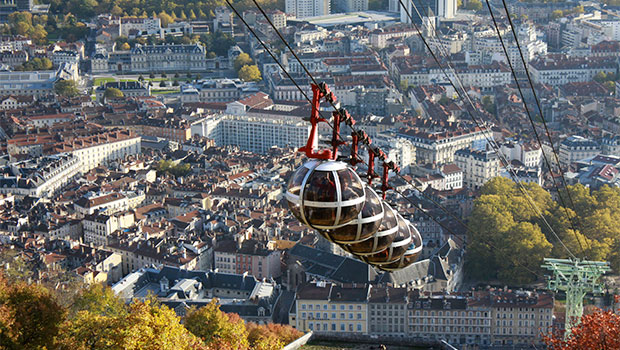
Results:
<point x="32" y="318"/>
<point x="242" y="60"/>
<point x="505" y="228"/>
<point x="66" y="88"/>
<point x="250" y="73"/>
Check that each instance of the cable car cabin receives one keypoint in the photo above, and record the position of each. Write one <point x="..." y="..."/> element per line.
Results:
<point x="325" y="194"/>
<point x="362" y="228"/>
<point x="396" y="250"/>
<point x="411" y="255"/>
<point x="381" y="239"/>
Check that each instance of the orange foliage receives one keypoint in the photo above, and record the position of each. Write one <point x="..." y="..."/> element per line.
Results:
<point x="599" y="330"/>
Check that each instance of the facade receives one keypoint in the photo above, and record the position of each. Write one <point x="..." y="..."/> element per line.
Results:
<point x="99" y="149"/>
<point x="566" y="70"/>
<point x="329" y="308"/>
<point x="110" y="203"/>
<point x="307" y="8"/>
<point x="36" y="83"/>
<point x="40" y="177"/>
<point x="128" y="88"/>
<point x="152" y="58"/>
<point x="379" y="37"/>
<point x="98" y="227"/>
<point x="136" y="26"/>
<point x="479" y="166"/>
<point x="351" y="5"/>
<point x="254" y="134"/>
<point x="439" y="147"/>
<point x="576" y="148"/>
<point x="247" y="258"/>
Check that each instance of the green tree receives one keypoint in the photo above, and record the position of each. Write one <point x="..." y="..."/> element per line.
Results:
<point x="557" y="14"/>
<point x="66" y="88"/>
<point x="116" y="11"/>
<point x="250" y="73"/>
<point x="242" y="60"/>
<point x="162" y="83"/>
<point x="600" y="77"/>
<point x="216" y="328"/>
<point x="112" y="93"/>
<point x="610" y="85"/>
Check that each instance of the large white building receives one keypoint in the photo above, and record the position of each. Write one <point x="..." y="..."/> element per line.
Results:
<point x="135" y="26"/>
<point x="106" y="203"/>
<point x="39" y="177"/>
<point x="103" y="148"/>
<point x="576" y="148"/>
<point x="307" y="8"/>
<point x="479" y="166"/>
<point x="35" y="83"/>
<point x="98" y="227"/>
<point x="564" y="70"/>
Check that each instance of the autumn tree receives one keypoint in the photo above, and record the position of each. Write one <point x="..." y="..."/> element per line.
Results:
<point x="30" y="316"/>
<point x="270" y="336"/>
<point x="242" y="60"/>
<point x="598" y="330"/>
<point x="250" y="73"/>
<point x="216" y="328"/>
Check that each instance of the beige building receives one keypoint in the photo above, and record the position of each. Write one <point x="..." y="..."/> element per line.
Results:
<point x="329" y="308"/>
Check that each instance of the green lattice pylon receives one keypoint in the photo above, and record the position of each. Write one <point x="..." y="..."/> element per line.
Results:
<point x="576" y="278"/>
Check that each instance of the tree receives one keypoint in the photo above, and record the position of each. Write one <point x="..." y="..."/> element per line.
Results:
<point x="99" y="300"/>
<point x="600" y="77"/>
<point x="610" y="86"/>
<point x="163" y="75"/>
<point x="66" y="88"/>
<point x="116" y="11"/>
<point x="125" y="47"/>
<point x="165" y="19"/>
<point x="474" y="5"/>
<point x="557" y="14"/>
<point x="242" y="60"/>
<point x="152" y="75"/>
<point x="162" y="84"/>
<point x="250" y="73"/>
<point x="216" y="328"/>
<point x="112" y="93"/>
<point x="192" y="15"/>
<point x="599" y="330"/>
<point x="29" y="316"/>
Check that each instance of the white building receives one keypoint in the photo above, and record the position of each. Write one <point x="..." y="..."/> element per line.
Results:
<point x="307" y="8"/>
<point x="528" y="155"/>
<point x="566" y="70"/>
<point x="99" y="149"/>
<point x="40" y="177"/>
<point x="439" y="147"/>
<point x="576" y="148"/>
<point x="98" y="227"/>
<point x="103" y="203"/>
<point x="136" y="26"/>
<point x="478" y="166"/>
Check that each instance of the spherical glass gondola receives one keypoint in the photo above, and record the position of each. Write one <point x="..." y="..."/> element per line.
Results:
<point x="381" y="239"/>
<point x="396" y="250"/>
<point x="367" y="223"/>
<point x="411" y="255"/>
<point x="325" y="194"/>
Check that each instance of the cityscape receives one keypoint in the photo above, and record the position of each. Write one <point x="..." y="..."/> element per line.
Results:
<point x="310" y="174"/>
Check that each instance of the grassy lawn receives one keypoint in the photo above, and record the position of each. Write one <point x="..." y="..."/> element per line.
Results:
<point x="163" y="92"/>
<point x="99" y="81"/>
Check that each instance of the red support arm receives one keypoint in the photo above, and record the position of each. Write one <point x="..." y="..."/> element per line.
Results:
<point x="311" y="148"/>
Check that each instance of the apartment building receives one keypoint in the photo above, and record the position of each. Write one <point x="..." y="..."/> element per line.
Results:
<point x="136" y="26"/>
<point x="517" y="317"/>
<point x="479" y="166"/>
<point x="109" y="203"/>
<point x="97" y="227"/>
<point x="36" y="83"/>
<point x="307" y="8"/>
<point x="440" y="147"/>
<point x="128" y="88"/>
<point x="575" y="148"/>
<point x="447" y="317"/>
<point x="562" y="70"/>
<point x="40" y="177"/>
<point x="387" y="309"/>
<point x="248" y="256"/>
<point x="379" y="37"/>
<point x="329" y="308"/>
<point x="101" y="148"/>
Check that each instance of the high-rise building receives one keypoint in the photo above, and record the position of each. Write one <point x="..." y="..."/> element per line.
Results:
<point x="421" y="10"/>
<point x="307" y="8"/>
<point x="351" y="5"/>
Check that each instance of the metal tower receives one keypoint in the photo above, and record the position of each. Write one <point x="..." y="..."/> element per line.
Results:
<point x="576" y="278"/>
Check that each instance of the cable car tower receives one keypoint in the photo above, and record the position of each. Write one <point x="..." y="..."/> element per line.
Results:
<point x="576" y="278"/>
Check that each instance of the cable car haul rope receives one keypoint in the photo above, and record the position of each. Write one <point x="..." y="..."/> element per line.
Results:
<point x="327" y="195"/>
